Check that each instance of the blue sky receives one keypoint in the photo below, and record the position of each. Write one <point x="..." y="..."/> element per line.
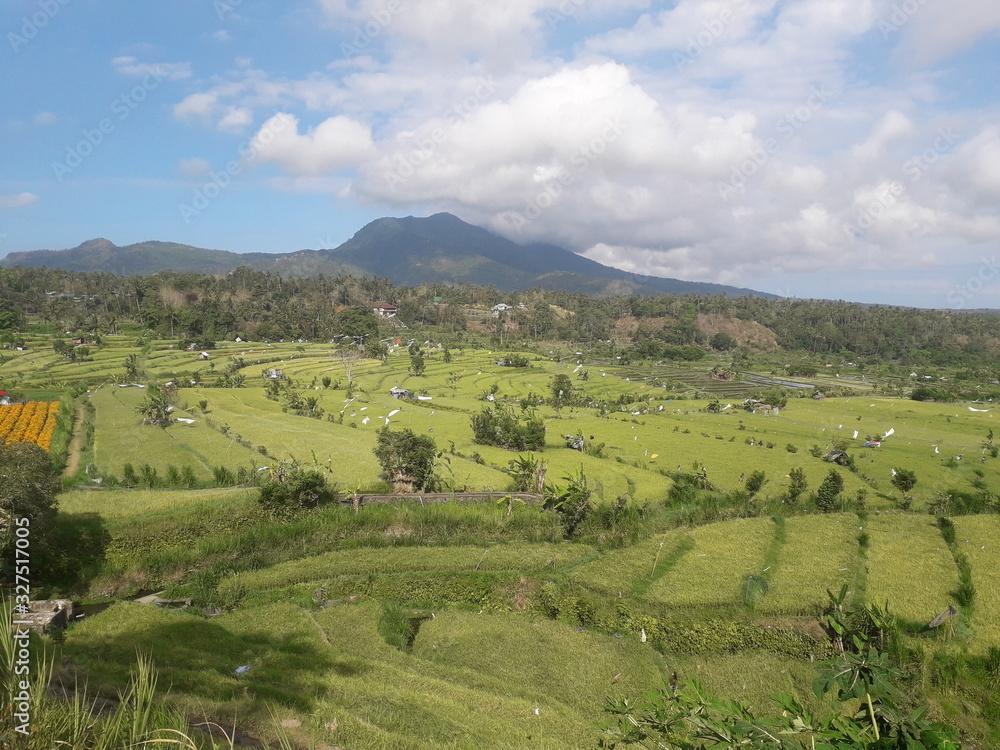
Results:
<point x="814" y="148"/>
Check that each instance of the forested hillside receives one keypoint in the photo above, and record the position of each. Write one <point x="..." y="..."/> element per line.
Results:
<point x="256" y="305"/>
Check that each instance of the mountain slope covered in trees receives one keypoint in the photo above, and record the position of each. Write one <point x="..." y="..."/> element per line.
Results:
<point x="439" y="249"/>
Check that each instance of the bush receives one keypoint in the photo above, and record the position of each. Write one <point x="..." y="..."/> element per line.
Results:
<point x="829" y="491"/>
<point x="500" y="426"/>
<point x="288" y="493"/>
<point x="407" y="459"/>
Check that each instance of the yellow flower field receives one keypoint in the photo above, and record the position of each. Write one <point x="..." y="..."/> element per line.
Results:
<point x="33" y="422"/>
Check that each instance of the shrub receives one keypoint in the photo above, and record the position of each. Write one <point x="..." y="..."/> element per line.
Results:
<point x="829" y="491"/>
<point x="791" y="448"/>
<point x="407" y="459"/>
<point x="501" y="427"/>
<point x="290" y="492"/>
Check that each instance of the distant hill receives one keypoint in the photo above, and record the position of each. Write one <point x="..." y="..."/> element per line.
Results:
<point x="438" y="249"/>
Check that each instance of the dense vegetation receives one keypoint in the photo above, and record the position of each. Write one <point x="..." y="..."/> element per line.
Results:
<point x="696" y="505"/>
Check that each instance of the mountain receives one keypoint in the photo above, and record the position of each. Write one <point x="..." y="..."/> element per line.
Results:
<point x="408" y="251"/>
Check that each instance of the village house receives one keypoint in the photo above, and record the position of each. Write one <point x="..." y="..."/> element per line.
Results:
<point x="501" y="308"/>
<point x="385" y="310"/>
<point x="397" y="392"/>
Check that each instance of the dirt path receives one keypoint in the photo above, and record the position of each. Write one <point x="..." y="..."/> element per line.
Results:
<point x="75" y="445"/>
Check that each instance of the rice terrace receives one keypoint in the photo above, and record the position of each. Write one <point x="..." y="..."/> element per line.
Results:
<point x="454" y="527"/>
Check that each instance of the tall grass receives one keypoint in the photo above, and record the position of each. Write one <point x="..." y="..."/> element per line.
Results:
<point x="81" y="722"/>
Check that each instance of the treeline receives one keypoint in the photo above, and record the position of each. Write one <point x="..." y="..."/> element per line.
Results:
<point x="258" y="305"/>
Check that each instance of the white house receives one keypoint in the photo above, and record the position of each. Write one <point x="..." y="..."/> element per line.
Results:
<point x="501" y="308"/>
<point x="385" y="310"/>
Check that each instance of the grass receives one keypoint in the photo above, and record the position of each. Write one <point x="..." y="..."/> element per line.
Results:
<point x="654" y="421"/>
<point x="120" y="438"/>
<point x="978" y="538"/>
<point x="751" y="679"/>
<point x="909" y="566"/>
<point x="624" y="569"/>
<point x="121" y="504"/>
<point x="819" y="553"/>
<point x="472" y="681"/>
<point x="527" y="557"/>
<point x="712" y="573"/>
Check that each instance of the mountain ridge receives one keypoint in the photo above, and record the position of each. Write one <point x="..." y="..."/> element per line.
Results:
<point x="407" y="251"/>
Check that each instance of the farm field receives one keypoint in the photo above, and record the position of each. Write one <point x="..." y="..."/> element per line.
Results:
<point x="654" y="430"/>
<point x="712" y="572"/>
<point x="910" y="566"/>
<point x="978" y="537"/>
<point x="819" y="554"/>
<point x="423" y="627"/>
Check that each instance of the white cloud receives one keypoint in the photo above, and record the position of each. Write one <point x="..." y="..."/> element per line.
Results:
<point x="934" y="31"/>
<point x="336" y="143"/>
<point x="194" y="167"/>
<point x="236" y="120"/>
<point x="626" y="151"/>
<point x="46" y="118"/>
<point x="10" y="202"/>
<point x="130" y="66"/>
<point x="222" y="35"/>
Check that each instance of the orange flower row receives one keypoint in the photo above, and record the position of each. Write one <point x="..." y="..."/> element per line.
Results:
<point x="33" y="422"/>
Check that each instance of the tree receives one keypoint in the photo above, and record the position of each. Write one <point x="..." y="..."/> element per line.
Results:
<point x="28" y="506"/>
<point x="407" y="459"/>
<point x="349" y="355"/>
<point x="904" y="480"/>
<point x="755" y="482"/>
<point x="829" y="490"/>
<point x="155" y="409"/>
<point x="291" y="491"/>
<point x="417" y="363"/>
<point x="356" y="322"/>
<point x="571" y="502"/>
<point x="797" y="484"/>
<point x="561" y="389"/>
<point x="722" y="342"/>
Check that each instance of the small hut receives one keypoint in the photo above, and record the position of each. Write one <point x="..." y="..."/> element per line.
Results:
<point x="397" y="392"/>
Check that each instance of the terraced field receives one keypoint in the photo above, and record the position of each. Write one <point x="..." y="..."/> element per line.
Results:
<point x="910" y="566"/>
<point x="819" y="555"/>
<point x="712" y="572"/>
<point x="978" y="538"/>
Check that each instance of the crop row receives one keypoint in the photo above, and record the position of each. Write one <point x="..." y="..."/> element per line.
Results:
<point x="33" y="422"/>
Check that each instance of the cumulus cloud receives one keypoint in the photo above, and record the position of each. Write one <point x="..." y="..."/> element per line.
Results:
<point x="712" y="139"/>
<point x="336" y="143"/>
<point x="10" y="202"/>
<point x="932" y="32"/>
